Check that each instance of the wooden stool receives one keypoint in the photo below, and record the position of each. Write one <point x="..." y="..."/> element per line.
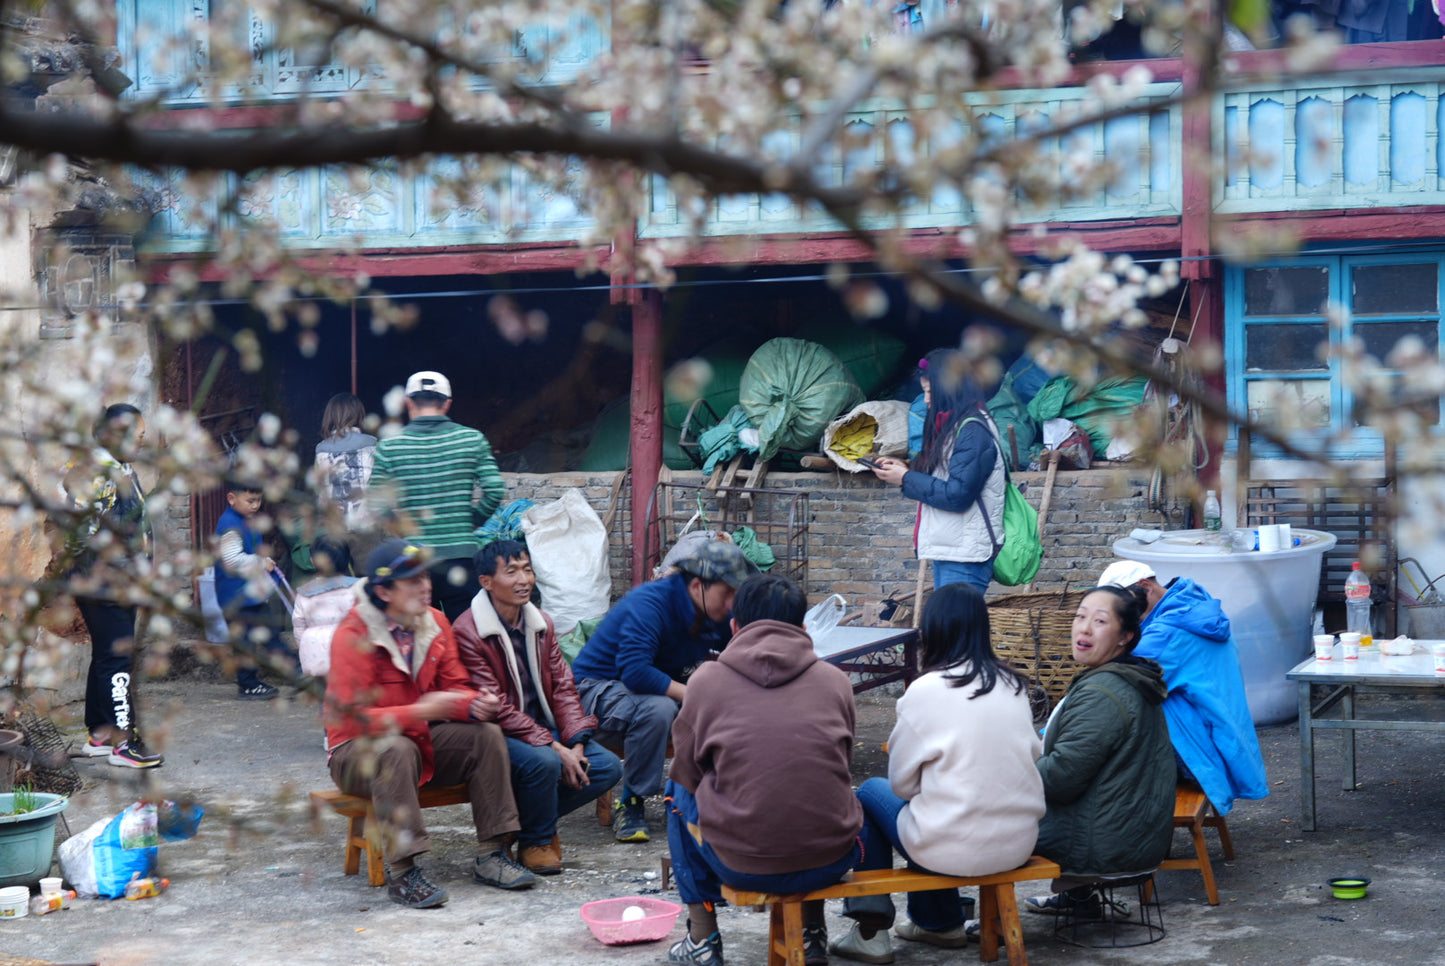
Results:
<point x="1193" y="811"/>
<point x="998" y="908"/>
<point x="362" y="834"/>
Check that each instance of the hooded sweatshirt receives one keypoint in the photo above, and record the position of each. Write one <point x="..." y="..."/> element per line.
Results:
<point x="1109" y="773"/>
<point x="1187" y="633"/>
<point x="764" y="741"/>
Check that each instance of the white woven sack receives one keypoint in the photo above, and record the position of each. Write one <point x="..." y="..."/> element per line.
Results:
<point x="568" y="545"/>
<point x="891" y="415"/>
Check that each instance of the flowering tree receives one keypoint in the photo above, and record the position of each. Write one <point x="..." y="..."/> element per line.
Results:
<point x="688" y="95"/>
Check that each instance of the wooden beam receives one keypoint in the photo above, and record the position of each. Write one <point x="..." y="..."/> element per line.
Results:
<point x="646" y="441"/>
<point x="1352" y="224"/>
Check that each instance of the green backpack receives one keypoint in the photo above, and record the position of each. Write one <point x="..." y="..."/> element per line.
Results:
<point x="1018" y="555"/>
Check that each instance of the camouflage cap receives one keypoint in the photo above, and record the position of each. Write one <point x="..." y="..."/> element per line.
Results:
<point x="719" y="560"/>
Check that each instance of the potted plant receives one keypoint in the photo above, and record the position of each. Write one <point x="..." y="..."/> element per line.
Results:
<point x="27" y="834"/>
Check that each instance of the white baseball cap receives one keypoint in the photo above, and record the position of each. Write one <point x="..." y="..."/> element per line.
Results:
<point x="428" y="382"/>
<point x="1124" y="573"/>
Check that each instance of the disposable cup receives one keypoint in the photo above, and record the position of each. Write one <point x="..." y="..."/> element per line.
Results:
<point x="1324" y="647"/>
<point x="50" y="885"/>
<point x="1269" y="538"/>
<point x="1437" y="650"/>
<point x="1350" y="645"/>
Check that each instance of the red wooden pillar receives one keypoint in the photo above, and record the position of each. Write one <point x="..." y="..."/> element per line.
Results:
<point x="646" y="445"/>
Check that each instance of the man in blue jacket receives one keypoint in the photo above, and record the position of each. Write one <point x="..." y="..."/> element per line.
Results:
<point x="632" y="672"/>
<point x="1187" y="632"/>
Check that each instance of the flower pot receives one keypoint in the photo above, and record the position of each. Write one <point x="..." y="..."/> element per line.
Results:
<point x="27" y="841"/>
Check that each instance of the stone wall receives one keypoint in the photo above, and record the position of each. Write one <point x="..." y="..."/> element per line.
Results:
<point x="860" y="532"/>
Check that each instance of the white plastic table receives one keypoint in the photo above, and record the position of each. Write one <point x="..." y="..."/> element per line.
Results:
<point x="868" y="652"/>
<point x="1373" y="672"/>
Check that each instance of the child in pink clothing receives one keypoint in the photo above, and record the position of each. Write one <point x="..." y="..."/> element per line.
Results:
<point x="321" y="603"/>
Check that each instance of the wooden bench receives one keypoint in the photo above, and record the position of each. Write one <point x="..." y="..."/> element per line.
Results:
<point x="362" y="834"/>
<point x="1193" y="811"/>
<point x="998" y="909"/>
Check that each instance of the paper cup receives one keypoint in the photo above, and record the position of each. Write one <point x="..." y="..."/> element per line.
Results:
<point x="50" y="885"/>
<point x="1324" y="647"/>
<point x="1269" y="538"/>
<point x="1437" y="650"/>
<point x="1350" y="644"/>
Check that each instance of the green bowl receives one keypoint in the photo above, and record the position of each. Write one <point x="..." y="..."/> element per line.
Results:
<point x="1350" y="886"/>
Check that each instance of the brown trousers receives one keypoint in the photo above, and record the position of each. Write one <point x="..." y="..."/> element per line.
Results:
<point x="387" y="769"/>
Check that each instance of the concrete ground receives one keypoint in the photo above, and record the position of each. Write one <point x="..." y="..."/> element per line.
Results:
<point x="262" y="881"/>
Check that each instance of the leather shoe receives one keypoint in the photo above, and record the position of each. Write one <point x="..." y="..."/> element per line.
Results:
<point x="954" y="938"/>
<point x="544" y="859"/>
<point x="853" y="946"/>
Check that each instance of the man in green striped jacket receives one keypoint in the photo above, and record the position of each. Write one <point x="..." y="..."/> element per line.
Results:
<point x="433" y="484"/>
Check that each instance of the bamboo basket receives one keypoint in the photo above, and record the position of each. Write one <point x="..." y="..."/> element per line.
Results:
<point x="1032" y="632"/>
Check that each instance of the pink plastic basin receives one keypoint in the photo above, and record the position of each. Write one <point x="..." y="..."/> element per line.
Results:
<point x="604" y="918"/>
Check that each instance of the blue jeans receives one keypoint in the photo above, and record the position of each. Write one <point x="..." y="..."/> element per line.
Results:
<point x="541" y="796"/>
<point x="700" y="874"/>
<point x="947" y="572"/>
<point x="938" y="910"/>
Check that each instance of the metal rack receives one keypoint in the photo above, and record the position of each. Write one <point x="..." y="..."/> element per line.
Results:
<point x="780" y="518"/>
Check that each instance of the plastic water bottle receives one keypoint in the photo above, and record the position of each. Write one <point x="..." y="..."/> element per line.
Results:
<point x="1213" y="516"/>
<point x="50" y="901"/>
<point x="145" y="888"/>
<point x="1357" y="605"/>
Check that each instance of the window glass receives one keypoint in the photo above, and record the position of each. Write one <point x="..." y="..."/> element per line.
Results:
<point x="1381" y="337"/>
<point x="1286" y="348"/>
<point x="1290" y="403"/>
<point x="1395" y="289"/>
<point x="1302" y="290"/>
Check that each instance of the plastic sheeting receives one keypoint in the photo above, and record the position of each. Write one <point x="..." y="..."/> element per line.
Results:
<point x="791" y="390"/>
<point x="1096" y="410"/>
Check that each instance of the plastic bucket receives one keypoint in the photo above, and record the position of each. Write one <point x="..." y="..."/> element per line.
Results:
<point x="27" y="840"/>
<point x="14" y="902"/>
<point x="1269" y="597"/>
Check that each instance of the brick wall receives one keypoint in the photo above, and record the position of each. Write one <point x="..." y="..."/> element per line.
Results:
<point x="860" y="533"/>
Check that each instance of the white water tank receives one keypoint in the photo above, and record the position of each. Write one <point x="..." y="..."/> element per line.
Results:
<point x="1269" y="598"/>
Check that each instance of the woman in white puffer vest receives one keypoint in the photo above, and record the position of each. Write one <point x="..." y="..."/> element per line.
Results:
<point x="958" y="477"/>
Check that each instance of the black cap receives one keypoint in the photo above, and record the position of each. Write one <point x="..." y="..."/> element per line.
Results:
<point x="395" y="560"/>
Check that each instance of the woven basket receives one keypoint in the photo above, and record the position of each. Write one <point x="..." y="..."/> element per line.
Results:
<point x="1032" y="632"/>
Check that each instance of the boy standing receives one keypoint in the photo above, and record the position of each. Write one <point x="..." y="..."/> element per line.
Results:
<point x="243" y="586"/>
<point x="509" y="648"/>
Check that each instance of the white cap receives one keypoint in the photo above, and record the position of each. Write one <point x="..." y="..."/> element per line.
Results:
<point x="1124" y="573"/>
<point x="428" y="382"/>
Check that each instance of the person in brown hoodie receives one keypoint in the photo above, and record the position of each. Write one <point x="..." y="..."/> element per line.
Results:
<point x="760" y="788"/>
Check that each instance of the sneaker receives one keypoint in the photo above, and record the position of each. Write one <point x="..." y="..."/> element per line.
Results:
<point x="853" y="946"/>
<point x="954" y="938"/>
<point x="134" y="754"/>
<point x="501" y="870"/>
<point x="815" y="944"/>
<point x="257" y="692"/>
<point x="1066" y="904"/>
<point x="705" y="953"/>
<point x="630" y="822"/>
<point x="411" y="889"/>
<point x="973" y="929"/>
<point x="96" y="749"/>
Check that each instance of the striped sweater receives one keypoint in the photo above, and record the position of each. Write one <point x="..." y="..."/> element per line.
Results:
<point x="438" y="482"/>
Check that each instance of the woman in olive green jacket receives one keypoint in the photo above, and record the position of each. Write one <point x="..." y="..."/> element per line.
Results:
<point x="1108" y="768"/>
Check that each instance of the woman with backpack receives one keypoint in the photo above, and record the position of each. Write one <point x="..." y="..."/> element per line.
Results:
<point x="958" y="477"/>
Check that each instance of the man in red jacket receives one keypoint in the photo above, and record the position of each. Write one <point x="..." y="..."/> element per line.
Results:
<point x="400" y="714"/>
<point x="509" y="647"/>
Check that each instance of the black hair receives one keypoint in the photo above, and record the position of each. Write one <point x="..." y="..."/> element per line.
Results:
<point x="953" y="396"/>
<point x="109" y="415"/>
<point x="242" y="486"/>
<point x="428" y="398"/>
<point x="769" y="597"/>
<point x="370" y="590"/>
<point x="1130" y="604"/>
<point x="336" y="553"/>
<point x="484" y="562"/>
<point x="955" y="633"/>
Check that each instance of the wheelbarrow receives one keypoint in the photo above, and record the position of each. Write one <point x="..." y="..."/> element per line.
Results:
<point x="1425" y="614"/>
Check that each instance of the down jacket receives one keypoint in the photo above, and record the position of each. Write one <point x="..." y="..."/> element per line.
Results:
<point x="370" y="688"/>
<point x="1109" y="774"/>
<point x="486" y="651"/>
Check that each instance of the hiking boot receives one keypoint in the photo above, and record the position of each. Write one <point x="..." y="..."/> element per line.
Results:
<point x="257" y="692"/>
<point x="630" y="822"/>
<point x="944" y="939"/>
<point x="543" y="859"/>
<point x="134" y="754"/>
<point x="853" y="946"/>
<point x="1069" y="904"/>
<point x="501" y="870"/>
<point x="705" y="953"/>
<point x="411" y="889"/>
<point x="815" y="944"/>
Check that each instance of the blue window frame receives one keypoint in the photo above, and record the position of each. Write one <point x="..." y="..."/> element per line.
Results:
<point x="1283" y="338"/>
